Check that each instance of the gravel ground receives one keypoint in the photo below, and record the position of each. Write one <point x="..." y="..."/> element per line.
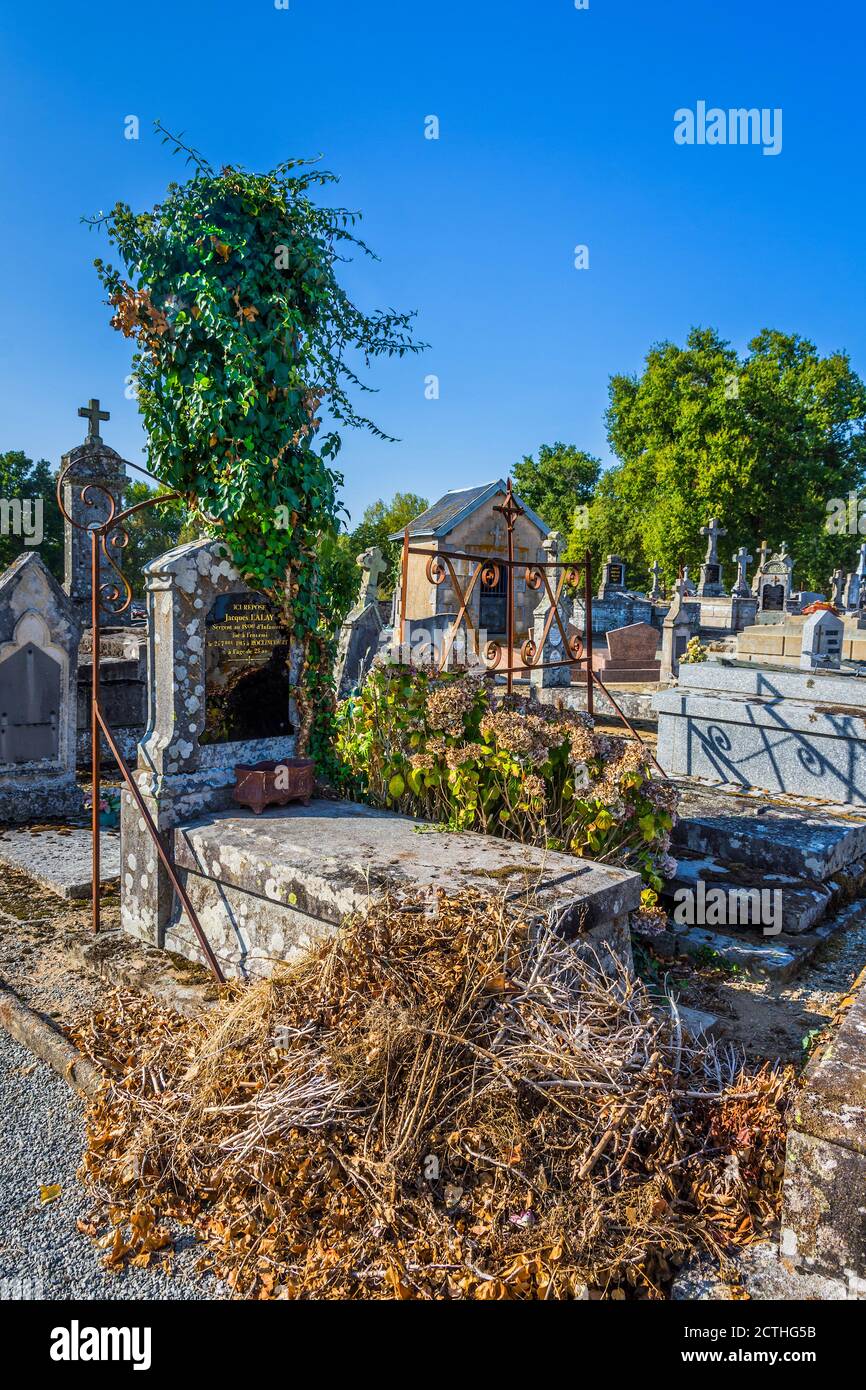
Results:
<point x="42" y="1254"/>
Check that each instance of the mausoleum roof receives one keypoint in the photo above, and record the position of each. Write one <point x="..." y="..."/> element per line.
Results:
<point x="456" y="506"/>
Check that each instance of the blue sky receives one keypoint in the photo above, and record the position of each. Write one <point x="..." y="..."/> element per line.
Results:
<point x="556" y="129"/>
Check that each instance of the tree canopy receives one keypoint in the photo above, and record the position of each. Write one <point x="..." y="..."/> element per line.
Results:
<point x="556" y="483"/>
<point x="763" y="442"/>
<point x="243" y="335"/>
<point x="22" y="480"/>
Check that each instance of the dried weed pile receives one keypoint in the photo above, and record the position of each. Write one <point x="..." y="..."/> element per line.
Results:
<point x="439" y="1104"/>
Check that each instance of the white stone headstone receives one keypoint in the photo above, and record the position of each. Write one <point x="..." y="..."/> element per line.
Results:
<point x="822" y="641"/>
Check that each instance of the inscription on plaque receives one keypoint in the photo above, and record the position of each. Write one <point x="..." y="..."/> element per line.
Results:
<point x="247" y="683"/>
<point x="614" y="574"/>
<point x="711" y="574"/>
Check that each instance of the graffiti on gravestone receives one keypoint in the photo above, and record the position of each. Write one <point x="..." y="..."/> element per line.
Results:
<point x="247" y="684"/>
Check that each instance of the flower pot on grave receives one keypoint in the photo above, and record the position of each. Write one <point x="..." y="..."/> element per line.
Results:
<point x="258" y="785"/>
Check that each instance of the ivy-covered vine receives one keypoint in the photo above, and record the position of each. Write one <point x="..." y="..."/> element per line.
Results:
<point x="245" y="340"/>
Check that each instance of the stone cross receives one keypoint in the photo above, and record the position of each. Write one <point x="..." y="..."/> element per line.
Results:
<point x="762" y="565"/>
<point x="714" y="531"/>
<point x="656" y="590"/>
<point x="741" y="559"/>
<point x="372" y="565"/>
<point x="92" y="414"/>
<point x="550" y="545"/>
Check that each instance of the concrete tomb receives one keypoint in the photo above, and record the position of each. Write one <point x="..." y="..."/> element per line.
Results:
<point x="822" y="641"/>
<point x="781" y="730"/>
<point x="268" y="888"/>
<point x="774" y="587"/>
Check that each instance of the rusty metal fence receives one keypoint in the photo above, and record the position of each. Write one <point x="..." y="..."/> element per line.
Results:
<point x="472" y="576"/>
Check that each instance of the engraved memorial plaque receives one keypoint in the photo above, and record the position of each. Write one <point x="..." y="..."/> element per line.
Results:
<point x="773" y="598"/>
<point x="247" y="684"/>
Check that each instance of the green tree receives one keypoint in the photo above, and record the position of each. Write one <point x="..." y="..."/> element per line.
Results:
<point x="22" y="480"/>
<point x="243" y="333"/>
<point x="556" y="483"/>
<point x="379" y="521"/>
<point x="763" y="442"/>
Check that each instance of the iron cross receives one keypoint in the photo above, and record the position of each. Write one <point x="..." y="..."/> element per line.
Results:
<point x="92" y="414"/>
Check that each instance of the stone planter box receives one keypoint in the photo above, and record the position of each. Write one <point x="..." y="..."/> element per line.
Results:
<point x="274" y="783"/>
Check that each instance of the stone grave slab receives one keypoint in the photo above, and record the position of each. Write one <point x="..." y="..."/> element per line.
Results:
<point x="60" y="857"/>
<point x="267" y="888"/>
<point x="782" y="730"/>
<point x="784" y="835"/>
<point x="825" y="1163"/>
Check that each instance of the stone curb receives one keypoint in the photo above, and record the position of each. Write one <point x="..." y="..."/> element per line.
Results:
<point x="44" y="1039"/>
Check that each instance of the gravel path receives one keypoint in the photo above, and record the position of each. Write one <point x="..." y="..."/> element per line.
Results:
<point x="42" y="1254"/>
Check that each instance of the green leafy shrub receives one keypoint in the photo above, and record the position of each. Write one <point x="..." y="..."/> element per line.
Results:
<point x="440" y="748"/>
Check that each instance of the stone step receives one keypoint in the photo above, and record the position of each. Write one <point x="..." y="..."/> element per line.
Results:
<point x="780" y="957"/>
<point x="802" y="902"/>
<point x="59" y="857"/>
<point x="780" y="834"/>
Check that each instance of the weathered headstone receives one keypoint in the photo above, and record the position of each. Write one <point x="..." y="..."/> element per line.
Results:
<point x="612" y="577"/>
<point x="656" y="594"/>
<point x="741" y="586"/>
<point x="711" y="585"/>
<point x="362" y="626"/>
<point x="95" y="473"/>
<point x="837" y="588"/>
<point x="39" y="636"/>
<point x="855" y="593"/>
<point x="822" y="641"/>
<point x="220" y="673"/>
<point x="774" y="587"/>
<point x="631" y="654"/>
